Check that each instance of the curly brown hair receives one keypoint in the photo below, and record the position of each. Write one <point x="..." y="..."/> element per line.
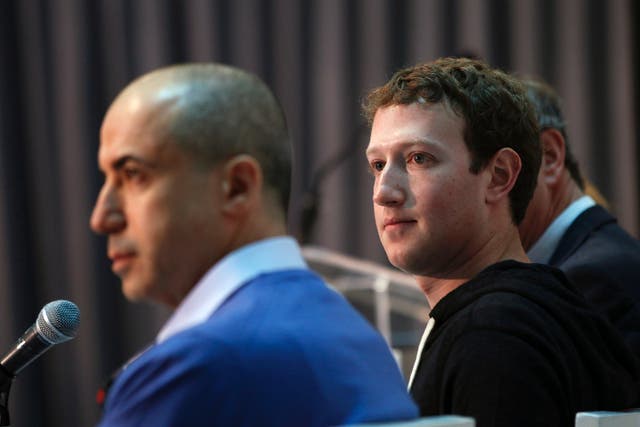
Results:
<point x="493" y="104"/>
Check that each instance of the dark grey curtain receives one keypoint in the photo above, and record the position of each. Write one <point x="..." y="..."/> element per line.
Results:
<point x="63" y="61"/>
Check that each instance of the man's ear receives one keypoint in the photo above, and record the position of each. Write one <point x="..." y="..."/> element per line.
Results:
<point x="553" y="155"/>
<point x="241" y="184"/>
<point x="504" y="168"/>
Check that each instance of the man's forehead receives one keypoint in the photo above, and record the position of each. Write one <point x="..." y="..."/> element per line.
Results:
<point x="158" y="86"/>
<point x="140" y="112"/>
<point x="130" y="136"/>
<point x="415" y="123"/>
<point x="403" y="143"/>
<point x="420" y="105"/>
<point x="147" y="101"/>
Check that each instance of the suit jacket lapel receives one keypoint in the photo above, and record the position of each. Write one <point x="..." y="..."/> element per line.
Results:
<point x="588" y="221"/>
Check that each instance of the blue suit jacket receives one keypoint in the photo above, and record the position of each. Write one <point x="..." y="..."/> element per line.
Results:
<point x="603" y="262"/>
<point x="284" y="350"/>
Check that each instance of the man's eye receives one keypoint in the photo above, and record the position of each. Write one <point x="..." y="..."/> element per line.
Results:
<point x="419" y="158"/>
<point x="133" y="175"/>
<point x="130" y="173"/>
<point x="377" y="166"/>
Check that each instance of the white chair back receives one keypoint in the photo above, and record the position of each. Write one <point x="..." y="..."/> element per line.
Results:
<point x="608" y="419"/>
<point x="435" y="421"/>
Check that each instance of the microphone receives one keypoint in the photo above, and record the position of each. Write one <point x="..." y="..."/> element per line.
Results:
<point x="57" y="322"/>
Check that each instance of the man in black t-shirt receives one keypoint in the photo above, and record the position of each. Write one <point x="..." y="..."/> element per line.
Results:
<point x="454" y="152"/>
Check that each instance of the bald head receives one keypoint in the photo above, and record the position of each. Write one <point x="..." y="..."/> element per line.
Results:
<point x="214" y="112"/>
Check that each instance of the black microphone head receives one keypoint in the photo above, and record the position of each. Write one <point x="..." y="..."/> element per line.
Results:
<point x="58" y="321"/>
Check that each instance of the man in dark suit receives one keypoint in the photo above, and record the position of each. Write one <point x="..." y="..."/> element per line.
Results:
<point x="566" y="228"/>
<point x="197" y="163"/>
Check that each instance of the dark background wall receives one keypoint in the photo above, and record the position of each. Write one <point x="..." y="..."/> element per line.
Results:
<point x="63" y="61"/>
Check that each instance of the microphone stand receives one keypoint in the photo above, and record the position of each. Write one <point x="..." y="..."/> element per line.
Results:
<point x="6" y="380"/>
<point x="310" y="205"/>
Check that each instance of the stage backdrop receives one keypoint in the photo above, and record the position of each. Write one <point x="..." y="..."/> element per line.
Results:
<point x="63" y="61"/>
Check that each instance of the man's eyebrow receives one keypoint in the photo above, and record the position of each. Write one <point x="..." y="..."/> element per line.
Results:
<point x="121" y="161"/>
<point x="407" y="143"/>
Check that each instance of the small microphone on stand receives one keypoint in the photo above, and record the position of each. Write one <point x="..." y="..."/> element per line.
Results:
<point x="57" y="322"/>
<point x="311" y="198"/>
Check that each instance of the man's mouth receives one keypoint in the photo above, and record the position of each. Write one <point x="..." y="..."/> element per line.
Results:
<point x="120" y="261"/>
<point x="397" y="223"/>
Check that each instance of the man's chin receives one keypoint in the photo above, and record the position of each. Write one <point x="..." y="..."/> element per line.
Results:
<point x="135" y="292"/>
<point x="399" y="263"/>
<point x="406" y="263"/>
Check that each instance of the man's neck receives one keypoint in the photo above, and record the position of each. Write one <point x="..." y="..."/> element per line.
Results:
<point x="499" y="246"/>
<point x="566" y="194"/>
<point x="549" y="201"/>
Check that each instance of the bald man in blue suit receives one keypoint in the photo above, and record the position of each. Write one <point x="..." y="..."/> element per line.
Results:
<point x="197" y="164"/>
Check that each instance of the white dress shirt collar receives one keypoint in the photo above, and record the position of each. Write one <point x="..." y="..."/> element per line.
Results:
<point x="227" y="276"/>
<point x="542" y="250"/>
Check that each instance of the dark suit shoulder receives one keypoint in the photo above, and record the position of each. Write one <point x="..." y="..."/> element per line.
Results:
<point x="595" y="231"/>
<point x="602" y="261"/>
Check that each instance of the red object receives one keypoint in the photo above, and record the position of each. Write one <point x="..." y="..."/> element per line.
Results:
<point x="100" y="396"/>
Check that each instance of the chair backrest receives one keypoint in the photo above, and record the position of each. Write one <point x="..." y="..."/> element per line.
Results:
<point x="608" y="419"/>
<point x="435" y="421"/>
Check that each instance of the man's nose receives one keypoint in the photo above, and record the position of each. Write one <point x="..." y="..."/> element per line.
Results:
<point x="389" y="190"/>
<point x="108" y="215"/>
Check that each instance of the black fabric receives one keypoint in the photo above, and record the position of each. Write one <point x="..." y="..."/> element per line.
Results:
<point x="519" y="346"/>
<point x="603" y="262"/>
